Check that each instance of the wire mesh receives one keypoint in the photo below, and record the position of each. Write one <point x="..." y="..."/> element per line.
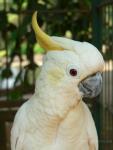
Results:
<point x="106" y="115"/>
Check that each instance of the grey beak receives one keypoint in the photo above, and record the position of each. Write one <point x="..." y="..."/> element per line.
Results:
<point x="91" y="86"/>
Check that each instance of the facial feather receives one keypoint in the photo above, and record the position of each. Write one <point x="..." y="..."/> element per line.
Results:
<point x="55" y="76"/>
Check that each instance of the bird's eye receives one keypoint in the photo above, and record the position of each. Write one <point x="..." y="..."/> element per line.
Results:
<point x="73" y="72"/>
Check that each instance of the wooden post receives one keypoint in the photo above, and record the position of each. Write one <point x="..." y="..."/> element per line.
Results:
<point x="97" y="41"/>
<point x="96" y="24"/>
<point x="2" y="136"/>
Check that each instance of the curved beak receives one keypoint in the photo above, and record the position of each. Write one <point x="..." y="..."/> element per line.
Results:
<point x="91" y="86"/>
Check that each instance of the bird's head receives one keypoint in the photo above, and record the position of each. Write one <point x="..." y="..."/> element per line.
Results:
<point x="69" y="66"/>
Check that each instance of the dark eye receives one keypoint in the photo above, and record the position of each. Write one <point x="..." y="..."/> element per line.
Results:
<point x="73" y="72"/>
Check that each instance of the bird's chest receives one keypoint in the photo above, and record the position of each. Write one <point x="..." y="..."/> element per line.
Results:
<point x="70" y="134"/>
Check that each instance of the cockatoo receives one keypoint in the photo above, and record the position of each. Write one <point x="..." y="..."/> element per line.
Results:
<point x="55" y="117"/>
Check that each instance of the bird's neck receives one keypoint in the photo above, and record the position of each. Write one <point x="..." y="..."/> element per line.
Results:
<point x="48" y="124"/>
<point x="43" y="120"/>
<point x="56" y="101"/>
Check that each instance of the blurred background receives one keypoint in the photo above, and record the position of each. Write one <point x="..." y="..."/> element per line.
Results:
<point x="21" y="56"/>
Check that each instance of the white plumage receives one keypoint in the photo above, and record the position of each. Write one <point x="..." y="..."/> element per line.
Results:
<point x="56" y="118"/>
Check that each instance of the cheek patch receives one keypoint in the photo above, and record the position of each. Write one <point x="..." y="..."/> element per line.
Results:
<point x="55" y="76"/>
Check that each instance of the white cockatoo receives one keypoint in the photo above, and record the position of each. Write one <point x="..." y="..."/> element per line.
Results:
<point x="55" y="117"/>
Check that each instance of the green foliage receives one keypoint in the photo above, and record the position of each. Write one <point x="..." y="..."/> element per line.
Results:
<point x="58" y="16"/>
<point x="15" y="95"/>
